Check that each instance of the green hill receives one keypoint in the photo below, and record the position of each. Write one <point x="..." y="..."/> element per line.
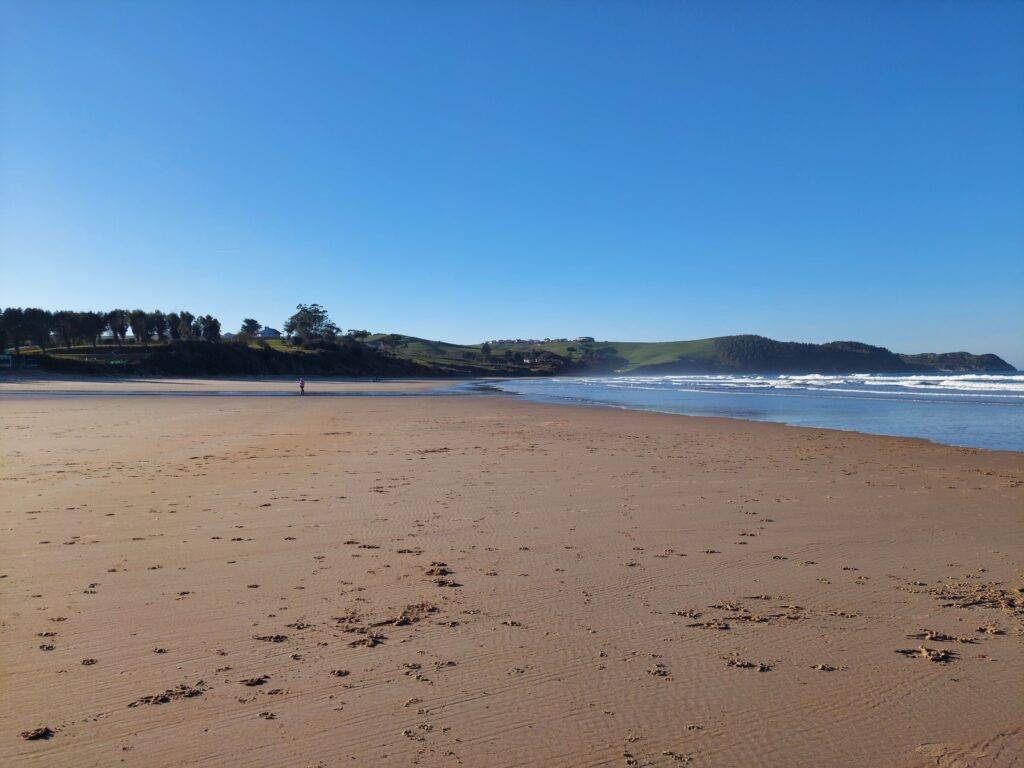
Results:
<point x="723" y="354"/>
<point x="403" y="355"/>
<point x="758" y="354"/>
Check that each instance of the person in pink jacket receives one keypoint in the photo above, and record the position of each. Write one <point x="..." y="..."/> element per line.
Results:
<point x="302" y="386"/>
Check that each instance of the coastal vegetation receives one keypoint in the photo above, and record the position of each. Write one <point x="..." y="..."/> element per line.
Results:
<point x="182" y="343"/>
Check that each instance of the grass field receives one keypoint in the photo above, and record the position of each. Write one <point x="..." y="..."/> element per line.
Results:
<point x="628" y="354"/>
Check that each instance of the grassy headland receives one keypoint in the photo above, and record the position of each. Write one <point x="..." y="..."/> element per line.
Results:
<point x="400" y="355"/>
<point x="184" y="344"/>
<point x="396" y="355"/>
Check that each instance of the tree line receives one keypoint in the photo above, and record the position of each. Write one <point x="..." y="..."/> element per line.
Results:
<point x="67" y="328"/>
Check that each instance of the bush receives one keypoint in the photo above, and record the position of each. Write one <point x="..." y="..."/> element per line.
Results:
<point x="321" y="344"/>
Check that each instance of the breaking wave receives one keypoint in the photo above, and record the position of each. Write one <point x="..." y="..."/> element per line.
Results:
<point x="927" y="385"/>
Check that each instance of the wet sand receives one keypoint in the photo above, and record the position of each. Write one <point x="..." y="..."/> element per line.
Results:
<point x="478" y="581"/>
<point x="57" y="384"/>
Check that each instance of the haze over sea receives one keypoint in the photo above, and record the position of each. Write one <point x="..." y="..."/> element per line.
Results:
<point x="971" y="410"/>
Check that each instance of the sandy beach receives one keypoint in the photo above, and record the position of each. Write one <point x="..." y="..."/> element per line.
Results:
<point x="480" y="581"/>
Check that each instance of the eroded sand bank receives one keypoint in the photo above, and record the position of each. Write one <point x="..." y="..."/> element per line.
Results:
<point x="485" y="582"/>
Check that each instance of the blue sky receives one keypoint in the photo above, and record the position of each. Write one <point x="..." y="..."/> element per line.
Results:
<point x="469" y="170"/>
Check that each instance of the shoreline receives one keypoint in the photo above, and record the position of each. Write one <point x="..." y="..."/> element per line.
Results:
<point x="43" y="387"/>
<point x="742" y="419"/>
<point x="962" y="420"/>
<point x="49" y="383"/>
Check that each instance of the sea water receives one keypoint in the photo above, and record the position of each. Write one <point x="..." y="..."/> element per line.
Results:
<point x="973" y="410"/>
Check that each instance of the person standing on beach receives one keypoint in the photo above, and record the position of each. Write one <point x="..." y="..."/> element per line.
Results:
<point x="302" y="386"/>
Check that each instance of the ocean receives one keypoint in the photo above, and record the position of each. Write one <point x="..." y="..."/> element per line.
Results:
<point x="971" y="410"/>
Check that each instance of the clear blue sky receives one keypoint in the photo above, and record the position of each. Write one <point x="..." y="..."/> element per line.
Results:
<point x="469" y="170"/>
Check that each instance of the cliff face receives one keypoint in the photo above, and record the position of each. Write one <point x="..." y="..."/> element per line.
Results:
<point x="960" y="362"/>
<point x="758" y="354"/>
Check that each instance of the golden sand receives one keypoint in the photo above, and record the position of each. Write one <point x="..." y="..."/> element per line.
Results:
<point x="478" y="581"/>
